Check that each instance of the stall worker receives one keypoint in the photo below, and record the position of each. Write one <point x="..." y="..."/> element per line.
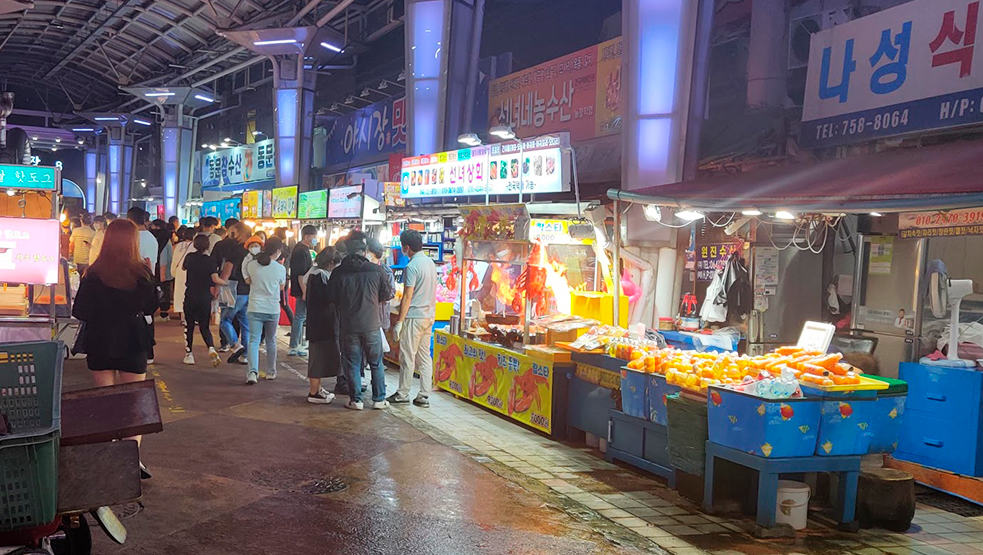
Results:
<point x="414" y="325"/>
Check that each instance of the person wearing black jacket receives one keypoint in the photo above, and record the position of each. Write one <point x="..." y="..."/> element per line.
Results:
<point x="356" y="288"/>
<point x="115" y="301"/>
<point x="301" y="260"/>
<point x="322" y="328"/>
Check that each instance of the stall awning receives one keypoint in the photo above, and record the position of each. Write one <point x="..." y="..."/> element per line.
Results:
<point x="935" y="177"/>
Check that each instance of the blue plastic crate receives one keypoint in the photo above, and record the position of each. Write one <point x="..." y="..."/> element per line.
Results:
<point x="658" y="390"/>
<point x="845" y="426"/>
<point x="769" y="428"/>
<point x="633" y="393"/>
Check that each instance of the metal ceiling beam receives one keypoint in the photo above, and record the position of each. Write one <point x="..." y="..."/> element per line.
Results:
<point x="95" y="34"/>
<point x="229" y="71"/>
<point x="12" y="31"/>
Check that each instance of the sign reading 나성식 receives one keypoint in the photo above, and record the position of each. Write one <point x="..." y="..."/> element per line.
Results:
<point x="26" y="177"/>
<point x="904" y="69"/>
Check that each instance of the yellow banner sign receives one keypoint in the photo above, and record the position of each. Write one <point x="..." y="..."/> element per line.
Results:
<point x="516" y="385"/>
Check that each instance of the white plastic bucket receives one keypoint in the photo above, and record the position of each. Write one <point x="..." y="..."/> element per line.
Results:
<point x="792" y="506"/>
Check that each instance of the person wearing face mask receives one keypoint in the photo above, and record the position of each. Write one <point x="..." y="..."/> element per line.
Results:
<point x="254" y="246"/>
<point x="266" y="278"/>
<point x="301" y="260"/>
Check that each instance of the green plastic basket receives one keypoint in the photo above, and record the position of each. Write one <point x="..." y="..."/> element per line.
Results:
<point x="28" y="481"/>
<point x="30" y="387"/>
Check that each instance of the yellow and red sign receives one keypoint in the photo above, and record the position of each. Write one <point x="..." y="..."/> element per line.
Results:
<point x="518" y="386"/>
<point x="580" y="93"/>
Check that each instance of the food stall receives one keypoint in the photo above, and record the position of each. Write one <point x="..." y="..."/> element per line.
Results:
<point x="518" y="288"/>
<point x="36" y="288"/>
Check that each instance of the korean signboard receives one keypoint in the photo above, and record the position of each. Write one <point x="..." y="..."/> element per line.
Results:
<point x="252" y="204"/>
<point x="713" y="257"/>
<point x="950" y="223"/>
<point x="267" y="204"/>
<point x="553" y="232"/>
<point x="312" y="205"/>
<point x="26" y="177"/>
<point x="29" y="250"/>
<point x="492" y="169"/>
<point x="580" y="93"/>
<point x="368" y="134"/>
<point x="285" y="203"/>
<point x="238" y="165"/>
<point x="345" y="202"/>
<point x="223" y="209"/>
<point x="904" y="69"/>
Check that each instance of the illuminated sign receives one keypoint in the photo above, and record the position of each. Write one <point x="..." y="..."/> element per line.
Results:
<point x="267" y="204"/>
<point x="223" y="209"/>
<point x="29" y="250"/>
<point x="237" y="165"/>
<point x="285" y="202"/>
<point x="535" y="166"/>
<point x="345" y="202"/>
<point x="313" y="205"/>
<point x="26" y="177"/>
<point x="904" y="69"/>
<point x="251" y="204"/>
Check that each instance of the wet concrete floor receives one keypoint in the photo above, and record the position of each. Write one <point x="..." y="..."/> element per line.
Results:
<point x="238" y="468"/>
<point x="250" y="469"/>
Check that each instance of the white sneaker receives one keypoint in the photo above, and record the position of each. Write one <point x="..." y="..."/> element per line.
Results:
<point x="379" y="405"/>
<point x="150" y="361"/>
<point x="188" y="358"/>
<point x="216" y="360"/>
<point x="322" y="398"/>
<point x="355" y="405"/>
<point x="251" y="378"/>
<point x="269" y="376"/>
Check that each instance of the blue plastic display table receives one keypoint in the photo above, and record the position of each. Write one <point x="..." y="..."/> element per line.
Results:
<point x="768" y="473"/>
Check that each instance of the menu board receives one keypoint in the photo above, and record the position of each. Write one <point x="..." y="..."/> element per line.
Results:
<point x="285" y="203"/>
<point x="345" y="202"/>
<point x="223" y="209"/>
<point x="29" y="250"/>
<point x="251" y="204"/>
<point x="267" y="204"/>
<point x="535" y="166"/>
<point x="313" y="205"/>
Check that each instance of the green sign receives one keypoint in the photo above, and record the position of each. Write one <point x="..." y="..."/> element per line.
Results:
<point x="313" y="205"/>
<point x="26" y="177"/>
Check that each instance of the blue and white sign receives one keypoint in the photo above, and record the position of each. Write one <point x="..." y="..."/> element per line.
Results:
<point x="367" y="134"/>
<point x="909" y="68"/>
<point x="238" y="165"/>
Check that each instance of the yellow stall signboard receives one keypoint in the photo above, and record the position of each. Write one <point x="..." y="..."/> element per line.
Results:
<point x="516" y="385"/>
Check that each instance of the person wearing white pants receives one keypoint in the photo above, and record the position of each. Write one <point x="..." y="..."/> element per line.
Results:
<point x="415" y="322"/>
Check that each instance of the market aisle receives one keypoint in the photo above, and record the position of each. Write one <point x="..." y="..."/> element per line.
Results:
<point x="239" y="469"/>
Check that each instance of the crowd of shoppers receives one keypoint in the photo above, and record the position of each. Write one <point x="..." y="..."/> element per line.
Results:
<point x="340" y="297"/>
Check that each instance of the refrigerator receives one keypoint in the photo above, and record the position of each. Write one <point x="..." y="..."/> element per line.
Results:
<point x="886" y="304"/>
<point x="788" y="291"/>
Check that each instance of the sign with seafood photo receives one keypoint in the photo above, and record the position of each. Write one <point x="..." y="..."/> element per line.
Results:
<point x="516" y="385"/>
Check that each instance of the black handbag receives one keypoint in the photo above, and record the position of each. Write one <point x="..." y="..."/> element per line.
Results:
<point x="78" y="348"/>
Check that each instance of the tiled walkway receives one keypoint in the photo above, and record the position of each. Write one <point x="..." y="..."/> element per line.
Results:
<point x="634" y="508"/>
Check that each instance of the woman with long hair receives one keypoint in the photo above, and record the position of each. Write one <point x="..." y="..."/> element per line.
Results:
<point x="265" y="277"/>
<point x="116" y="297"/>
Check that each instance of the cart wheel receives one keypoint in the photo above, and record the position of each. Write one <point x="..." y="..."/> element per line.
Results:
<point x="76" y="541"/>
